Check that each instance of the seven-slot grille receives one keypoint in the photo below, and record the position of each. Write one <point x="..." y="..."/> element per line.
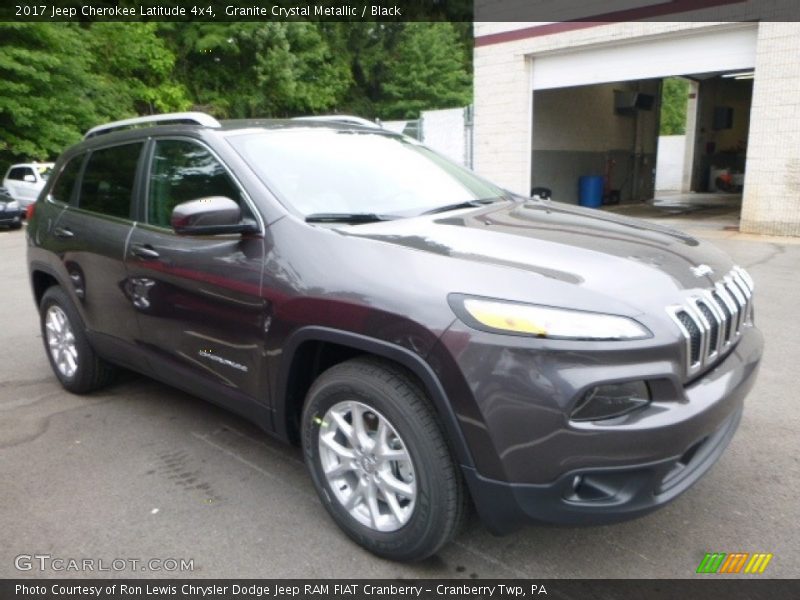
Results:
<point x="712" y="320"/>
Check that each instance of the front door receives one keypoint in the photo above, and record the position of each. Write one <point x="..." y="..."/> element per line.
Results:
<point x="197" y="298"/>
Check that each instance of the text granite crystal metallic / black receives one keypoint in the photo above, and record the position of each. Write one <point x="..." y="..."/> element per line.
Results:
<point x="427" y="337"/>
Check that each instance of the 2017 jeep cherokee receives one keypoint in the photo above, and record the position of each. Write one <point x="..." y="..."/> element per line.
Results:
<point x="425" y="335"/>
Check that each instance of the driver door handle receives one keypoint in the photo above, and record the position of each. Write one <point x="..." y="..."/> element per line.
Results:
<point x="64" y="233"/>
<point x="145" y="251"/>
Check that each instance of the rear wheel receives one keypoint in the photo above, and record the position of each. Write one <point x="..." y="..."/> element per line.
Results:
<point x="72" y="359"/>
<point x="379" y="461"/>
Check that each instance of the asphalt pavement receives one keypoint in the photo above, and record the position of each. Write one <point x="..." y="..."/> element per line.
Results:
<point x="141" y="471"/>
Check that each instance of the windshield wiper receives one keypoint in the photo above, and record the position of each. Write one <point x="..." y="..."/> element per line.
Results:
<point x="459" y="205"/>
<point x="347" y="218"/>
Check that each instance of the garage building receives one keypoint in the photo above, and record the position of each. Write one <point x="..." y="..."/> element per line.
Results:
<point x="555" y="101"/>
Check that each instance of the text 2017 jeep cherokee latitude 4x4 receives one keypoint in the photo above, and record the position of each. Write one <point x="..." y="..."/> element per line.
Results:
<point x="426" y="335"/>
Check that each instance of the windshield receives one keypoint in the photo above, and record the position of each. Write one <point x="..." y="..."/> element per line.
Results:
<point x="44" y="171"/>
<point x="344" y="171"/>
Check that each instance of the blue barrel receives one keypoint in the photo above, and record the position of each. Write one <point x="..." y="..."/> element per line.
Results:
<point x="591" y="190"/>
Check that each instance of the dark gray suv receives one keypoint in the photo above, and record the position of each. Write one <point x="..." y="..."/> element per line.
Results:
<point x="427" y="337"/>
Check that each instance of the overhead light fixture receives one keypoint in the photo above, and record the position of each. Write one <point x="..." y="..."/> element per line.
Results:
<point x="740" y="75"/>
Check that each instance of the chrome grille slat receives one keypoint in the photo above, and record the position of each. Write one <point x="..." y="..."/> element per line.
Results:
<point x="709" y="311"/>
<point x="746" y="291"/>
<point x="729" y="306"/>
<point x="712" y="320"/>
<point x="738" y="297"/>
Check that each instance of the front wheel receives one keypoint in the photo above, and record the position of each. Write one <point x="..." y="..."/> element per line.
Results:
<point x="379" y="461"/>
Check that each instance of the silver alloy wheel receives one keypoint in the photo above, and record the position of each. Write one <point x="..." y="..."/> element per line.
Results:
<point x="61" y="341"/>
<point x="367" y="466"/>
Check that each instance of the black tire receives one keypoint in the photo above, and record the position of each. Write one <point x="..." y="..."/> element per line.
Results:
<point x="16" y="225"/>
<point x="440" y="503"/>
<point x="92" y="372"/>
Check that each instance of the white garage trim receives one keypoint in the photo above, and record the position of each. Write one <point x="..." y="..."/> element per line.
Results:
<point x="709" y="51"/>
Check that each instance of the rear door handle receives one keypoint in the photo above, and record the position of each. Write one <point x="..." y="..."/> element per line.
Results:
<point x="144" y="251"/>
<point x="64" y="233"/>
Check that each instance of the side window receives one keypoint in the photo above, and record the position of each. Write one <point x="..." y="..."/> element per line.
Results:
<point x="62" y="188"/>
<point x="183" y="171"/>
<point x="107" y="184"/>
<point x="18" y="173"/>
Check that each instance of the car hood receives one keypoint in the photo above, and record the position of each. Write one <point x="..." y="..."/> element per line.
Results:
<point x="597" y="250"/>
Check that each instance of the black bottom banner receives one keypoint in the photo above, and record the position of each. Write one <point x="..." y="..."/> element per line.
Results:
<point x="398" y="589"/>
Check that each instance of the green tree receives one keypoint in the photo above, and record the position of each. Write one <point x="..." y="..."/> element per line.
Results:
<point x="59" y="79"/>
<point x="427" y="70"/>
<point x="674" y="96"/>
<point x="46" y="98"/>
<point x="373" y="52"/>
<point x="273" y="69"/>
<point x="138" y="79"/>
<point x="365" y="46"/>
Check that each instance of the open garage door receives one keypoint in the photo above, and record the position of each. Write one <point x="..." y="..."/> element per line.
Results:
<point x="730" y="48"/>
<point x="596" y="115"/>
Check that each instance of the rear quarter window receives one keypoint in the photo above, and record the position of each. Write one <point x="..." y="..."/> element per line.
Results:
<point x="107" y="186"/>
<point x="64" y="185"/>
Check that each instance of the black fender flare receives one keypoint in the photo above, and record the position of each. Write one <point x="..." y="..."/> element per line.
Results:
<point x="44" y="267"/>
<point x="398" y="354"/>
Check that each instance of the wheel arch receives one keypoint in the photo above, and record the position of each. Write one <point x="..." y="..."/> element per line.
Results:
<point x="303" y="348"/>
<point x="42" y="278"/>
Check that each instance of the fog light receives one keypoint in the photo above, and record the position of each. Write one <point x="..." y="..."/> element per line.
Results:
<point x="612" y="400"/>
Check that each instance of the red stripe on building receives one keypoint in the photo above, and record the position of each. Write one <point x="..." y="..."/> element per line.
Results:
<point x="631" y="14"/>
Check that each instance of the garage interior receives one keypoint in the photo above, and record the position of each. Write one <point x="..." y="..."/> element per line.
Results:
<point x="610" y="129"/>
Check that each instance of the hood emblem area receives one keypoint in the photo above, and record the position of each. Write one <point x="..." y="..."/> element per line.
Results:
<point x="702" y="270"/>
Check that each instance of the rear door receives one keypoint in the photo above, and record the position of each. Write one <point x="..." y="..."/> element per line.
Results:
<point x="22" y="183"/>
<point x="197" y="298"/>
<point x="91" y="236"/>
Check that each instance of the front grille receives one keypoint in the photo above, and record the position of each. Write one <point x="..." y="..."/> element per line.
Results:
<point x="711" y="321"/>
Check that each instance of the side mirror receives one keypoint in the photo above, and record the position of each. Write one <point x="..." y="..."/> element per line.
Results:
<point x="542" y="192"/>
<point x="29" y="178"/>
<point x="214" y="215"/>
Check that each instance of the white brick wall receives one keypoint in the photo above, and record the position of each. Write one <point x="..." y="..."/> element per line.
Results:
<point x="772" y="186"/>
<point x="444" y="131"/>
<point x="772" y="174"/>
<point x="502" y="118"/>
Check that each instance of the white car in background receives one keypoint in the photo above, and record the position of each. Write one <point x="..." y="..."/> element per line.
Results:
<point x="24" y="181"/>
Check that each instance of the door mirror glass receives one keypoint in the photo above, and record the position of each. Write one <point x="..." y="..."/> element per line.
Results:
<point x="212" y="215"/>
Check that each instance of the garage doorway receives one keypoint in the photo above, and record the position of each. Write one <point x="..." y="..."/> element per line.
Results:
<point x="702" y="163"/>
<point x="598" y="112"/>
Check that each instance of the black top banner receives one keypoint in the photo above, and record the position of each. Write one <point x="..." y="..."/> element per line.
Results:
<point x="531" y="11"/>
<point x="238" y="10"/>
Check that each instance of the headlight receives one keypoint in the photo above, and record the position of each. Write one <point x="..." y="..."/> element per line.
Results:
<point x="13" y="205"/>
<point x="499" y="316"/>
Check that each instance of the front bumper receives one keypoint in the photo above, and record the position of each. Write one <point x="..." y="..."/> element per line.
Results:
<point x="601" y="496"/>
<point x="605" y="471"/>
<point x="10" y="217"/>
